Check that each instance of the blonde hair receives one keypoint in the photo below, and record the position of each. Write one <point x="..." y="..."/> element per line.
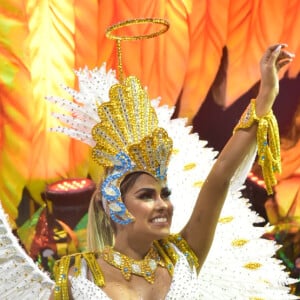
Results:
<point x="100" y="229"/>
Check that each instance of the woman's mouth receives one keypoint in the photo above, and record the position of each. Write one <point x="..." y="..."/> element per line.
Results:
<point x="160" y="221"/>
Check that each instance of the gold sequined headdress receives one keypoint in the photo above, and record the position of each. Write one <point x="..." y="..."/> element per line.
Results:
<point x="125" y="135"/>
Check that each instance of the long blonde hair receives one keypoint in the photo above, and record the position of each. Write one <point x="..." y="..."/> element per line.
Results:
<point x="101" y="229"/>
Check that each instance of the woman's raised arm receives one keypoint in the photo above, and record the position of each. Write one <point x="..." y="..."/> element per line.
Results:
<point x="199" y="231"/>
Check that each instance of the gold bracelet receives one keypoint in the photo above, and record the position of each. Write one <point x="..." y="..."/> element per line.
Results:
<point x="268" y="143"/>
<point x="110" y="29"/>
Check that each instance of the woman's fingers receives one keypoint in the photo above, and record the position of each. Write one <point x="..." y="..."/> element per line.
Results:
<point x="282" y="63"/>
<point x="285" y="54"/>
<point x="276" y="56"/>
<point x="282" y="45"/>
<point x="284" y="58"/>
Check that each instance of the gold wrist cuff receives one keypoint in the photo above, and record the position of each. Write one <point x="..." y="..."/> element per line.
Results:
<point x="268" y="143"/>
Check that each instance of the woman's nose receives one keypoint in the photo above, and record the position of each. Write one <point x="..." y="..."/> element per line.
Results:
<point x="161" y="203"/>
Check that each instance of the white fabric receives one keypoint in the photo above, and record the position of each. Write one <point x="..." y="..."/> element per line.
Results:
<point x="214" y="282"/>
<point x="184" y="285"/>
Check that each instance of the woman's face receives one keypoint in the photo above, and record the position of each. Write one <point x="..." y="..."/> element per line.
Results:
<point x="148" y="201"/>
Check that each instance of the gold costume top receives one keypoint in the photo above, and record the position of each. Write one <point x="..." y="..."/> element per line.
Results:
<point x="165" y="249"/>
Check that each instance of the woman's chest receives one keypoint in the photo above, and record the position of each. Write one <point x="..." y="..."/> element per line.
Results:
<point x="138" y="288"/>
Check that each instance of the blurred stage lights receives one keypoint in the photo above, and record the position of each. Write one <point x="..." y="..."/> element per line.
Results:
<point x="67" y="185"/>
<point x="255" y="179"/>
<point x="68" y="199"/>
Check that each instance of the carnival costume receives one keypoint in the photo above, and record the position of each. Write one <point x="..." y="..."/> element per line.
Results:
<point x="128" y="133"/>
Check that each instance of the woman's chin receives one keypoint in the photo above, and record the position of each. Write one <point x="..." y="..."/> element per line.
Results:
<point x="161" y="231"/>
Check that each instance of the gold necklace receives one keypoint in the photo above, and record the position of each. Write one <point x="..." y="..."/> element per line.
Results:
<point x="145" y="267"/>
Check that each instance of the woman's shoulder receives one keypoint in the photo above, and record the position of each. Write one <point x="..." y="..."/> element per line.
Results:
<point x="174" y="243"/>
<point x="75" y="264"/>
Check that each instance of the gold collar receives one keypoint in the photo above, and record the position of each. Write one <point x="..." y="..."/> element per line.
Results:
<point x="145" y="267"/>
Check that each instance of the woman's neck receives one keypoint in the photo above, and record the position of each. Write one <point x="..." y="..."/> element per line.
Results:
<point x="134" y="248"/>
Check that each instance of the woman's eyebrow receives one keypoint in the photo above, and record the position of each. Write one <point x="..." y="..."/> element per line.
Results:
<point x="145" y="189"/>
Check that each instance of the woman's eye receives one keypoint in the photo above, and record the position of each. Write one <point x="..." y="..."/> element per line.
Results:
<point x="165" y="193"/>
<point x="146" y="196"/>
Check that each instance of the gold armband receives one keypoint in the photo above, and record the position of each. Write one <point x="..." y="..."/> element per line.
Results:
<point x="268" y="143"/>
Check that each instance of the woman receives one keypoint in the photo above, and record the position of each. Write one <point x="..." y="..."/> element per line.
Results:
<point x="133" y="255"/>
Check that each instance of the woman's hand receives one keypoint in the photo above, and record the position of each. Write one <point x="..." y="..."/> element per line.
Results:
<point x="271" y="62"/>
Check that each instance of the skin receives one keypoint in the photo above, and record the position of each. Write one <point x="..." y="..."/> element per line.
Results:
<point x="136" y="238"/>
<point x="146" y="200"/>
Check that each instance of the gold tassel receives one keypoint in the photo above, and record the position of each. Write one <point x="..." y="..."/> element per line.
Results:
<point x="268" y="143"/>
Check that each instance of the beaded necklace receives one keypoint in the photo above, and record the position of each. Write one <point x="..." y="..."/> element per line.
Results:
<point x="145" y="267"/>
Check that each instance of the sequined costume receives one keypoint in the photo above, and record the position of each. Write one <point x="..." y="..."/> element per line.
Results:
<point x="184" y="283"/>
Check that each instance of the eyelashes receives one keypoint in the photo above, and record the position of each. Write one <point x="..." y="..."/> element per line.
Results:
<point x="151" y="194"/>
<point x="165" y="193"/>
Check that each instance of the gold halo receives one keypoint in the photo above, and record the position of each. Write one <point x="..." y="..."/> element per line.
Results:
<point x="110" y="29"/>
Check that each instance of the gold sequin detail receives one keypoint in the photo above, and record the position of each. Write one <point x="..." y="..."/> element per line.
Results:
<point x="189" y="166"/>
<point x="145" y="267"/>
<point x="163" y="23"/>
<point x="95" y="268"/>
<point x="175" y="151"/>
<point x="226" y="220"/>
<point x="198" y="184"/>
<point x="268" y="143"/>
<point x="239" y="242"/>
<point x="129" y="124"/>
<point x="184" y="247"/>
<point x="164" y="249"/>
<point x="77" y="265"/>
<point x="61" y="270"/>
<point x="253" y="265"/>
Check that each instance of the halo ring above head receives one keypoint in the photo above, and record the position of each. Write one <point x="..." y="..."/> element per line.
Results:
<point x="109" y="31"/>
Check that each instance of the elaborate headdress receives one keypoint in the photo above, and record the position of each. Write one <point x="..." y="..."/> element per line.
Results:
<point x="121" y="126"/>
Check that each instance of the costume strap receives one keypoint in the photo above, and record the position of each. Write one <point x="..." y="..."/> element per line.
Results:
<point x="184" y="247"/>
<point x="169" y="254"/>
<point x="62" y="267"/>
<point x="61" y="270"/>
<point x="268" y="142"/>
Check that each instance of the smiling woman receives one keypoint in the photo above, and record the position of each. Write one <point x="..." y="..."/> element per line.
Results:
<point x="148" y="201"/>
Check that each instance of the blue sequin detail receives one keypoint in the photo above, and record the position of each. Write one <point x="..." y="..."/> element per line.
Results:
<point x="159" y="175"/>
<point x="111" y="192"/>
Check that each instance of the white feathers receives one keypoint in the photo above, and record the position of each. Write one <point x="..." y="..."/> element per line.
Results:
<point x="20" y="277"/>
